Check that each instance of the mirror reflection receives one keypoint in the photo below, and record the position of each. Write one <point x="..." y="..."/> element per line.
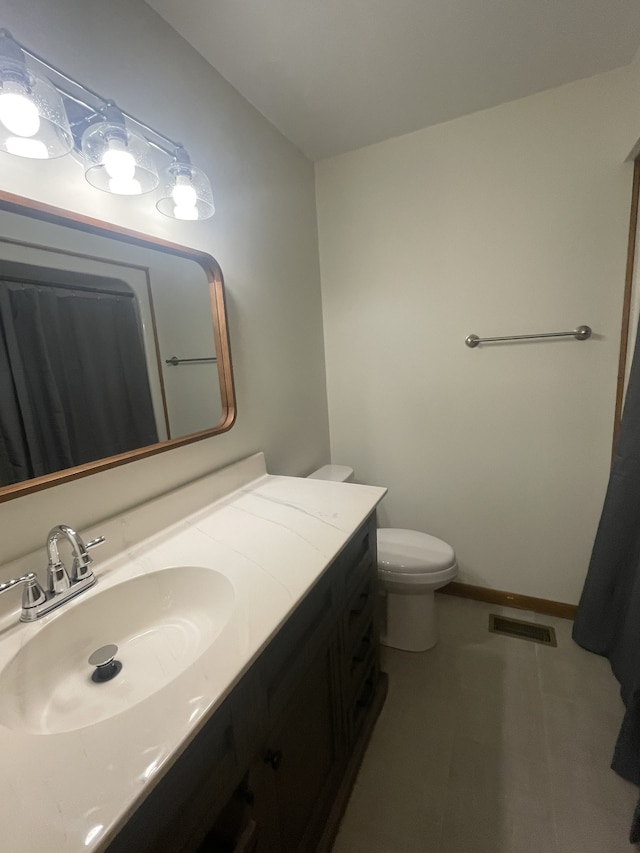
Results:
<point x="106" y="347"/>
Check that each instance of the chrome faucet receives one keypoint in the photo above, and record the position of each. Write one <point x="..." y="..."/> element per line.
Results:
<point x="58" y="579"/>
<point x="61" y="586"/>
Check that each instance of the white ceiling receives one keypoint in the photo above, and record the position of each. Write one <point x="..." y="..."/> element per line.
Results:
<point x="334" y="75"/>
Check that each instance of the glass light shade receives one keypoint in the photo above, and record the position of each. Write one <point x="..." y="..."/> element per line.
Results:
<point x="33" y="120"/>
<point x="118" y="161"/>
<point x="186" y="193"/>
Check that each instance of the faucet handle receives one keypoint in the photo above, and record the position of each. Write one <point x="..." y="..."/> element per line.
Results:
<point x="81" y="566"/>
<point x="32" y="594"/>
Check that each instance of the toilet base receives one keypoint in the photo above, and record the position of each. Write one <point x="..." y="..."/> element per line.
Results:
<point x="410" y="622"/>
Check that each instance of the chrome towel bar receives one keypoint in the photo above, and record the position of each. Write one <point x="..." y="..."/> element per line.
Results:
<point x="174" y="360"/>
<point x="580" y="334"/>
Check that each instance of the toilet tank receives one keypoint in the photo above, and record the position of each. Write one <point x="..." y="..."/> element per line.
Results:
<point x="337" y="473"/>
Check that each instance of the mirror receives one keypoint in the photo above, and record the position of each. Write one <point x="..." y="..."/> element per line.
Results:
<point x="113" y="346"/>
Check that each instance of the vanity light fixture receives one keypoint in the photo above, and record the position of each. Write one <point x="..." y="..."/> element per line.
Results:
<point x="33" y="120"/>
<point x="187" y="191"/>
<point x="43" y="118"/>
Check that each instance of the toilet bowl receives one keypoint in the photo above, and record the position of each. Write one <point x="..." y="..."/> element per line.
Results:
<point x="411" y="567"/>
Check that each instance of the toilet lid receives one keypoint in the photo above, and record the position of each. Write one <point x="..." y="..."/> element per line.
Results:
<point x="412" y="551"/>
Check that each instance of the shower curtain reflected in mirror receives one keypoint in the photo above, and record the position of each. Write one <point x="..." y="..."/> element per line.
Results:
<point x="73" y="375"/>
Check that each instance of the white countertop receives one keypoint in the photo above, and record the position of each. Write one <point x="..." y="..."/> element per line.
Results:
<point x="272" y="537"/>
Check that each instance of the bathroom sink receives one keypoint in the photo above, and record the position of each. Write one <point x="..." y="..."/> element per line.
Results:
<point x="162" y="622"/>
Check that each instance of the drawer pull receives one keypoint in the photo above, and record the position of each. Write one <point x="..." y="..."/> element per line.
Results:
<point x="273" y="759"/>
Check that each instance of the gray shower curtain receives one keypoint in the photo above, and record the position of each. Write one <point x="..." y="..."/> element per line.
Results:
<point x="608" y="618"/>
<point x="73" y="378"/>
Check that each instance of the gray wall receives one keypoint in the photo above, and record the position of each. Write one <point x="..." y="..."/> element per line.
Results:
<point x="263" y="234"/>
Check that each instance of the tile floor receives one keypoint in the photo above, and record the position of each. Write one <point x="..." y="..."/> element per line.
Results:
<point x="492" y="744"/>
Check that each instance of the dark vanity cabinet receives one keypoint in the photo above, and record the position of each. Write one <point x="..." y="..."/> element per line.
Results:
<point x="272" y="769"/>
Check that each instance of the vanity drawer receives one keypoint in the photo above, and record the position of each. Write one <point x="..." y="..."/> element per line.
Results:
<point x="360" y="660"/>
<point x="359" y="611"/>
<point x="358" y="556"/>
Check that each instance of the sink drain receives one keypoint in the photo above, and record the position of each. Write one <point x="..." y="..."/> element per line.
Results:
<point x="104" y="661"/>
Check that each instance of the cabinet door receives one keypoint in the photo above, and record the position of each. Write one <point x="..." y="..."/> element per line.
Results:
<point x="290" y="654"/>
<point x="302" y="756"/>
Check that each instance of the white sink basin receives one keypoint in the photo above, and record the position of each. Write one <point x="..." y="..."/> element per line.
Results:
<point x="162" y="622"/>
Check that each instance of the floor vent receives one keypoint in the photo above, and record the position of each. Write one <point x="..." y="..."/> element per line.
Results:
<point x="524" y="630"/>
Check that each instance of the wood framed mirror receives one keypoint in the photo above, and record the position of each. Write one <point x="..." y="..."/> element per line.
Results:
<point x="114" y="346"/>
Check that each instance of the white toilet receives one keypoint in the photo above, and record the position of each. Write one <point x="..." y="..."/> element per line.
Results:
<point x="411" y="567"/>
